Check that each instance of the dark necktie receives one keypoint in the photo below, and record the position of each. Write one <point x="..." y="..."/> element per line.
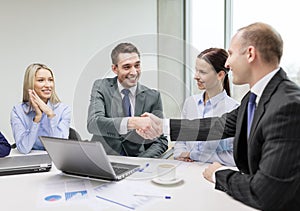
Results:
<point x="251" y="110"/>
<point x="126" y="102"/>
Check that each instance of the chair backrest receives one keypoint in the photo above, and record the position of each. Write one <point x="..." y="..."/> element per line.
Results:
<point x="73" y="134"/>
<point x="167" y="154"/>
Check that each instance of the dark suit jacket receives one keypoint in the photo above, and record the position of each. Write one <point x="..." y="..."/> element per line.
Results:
<point x="269" y="162"/>
<point x="105" y="115"/>
<point x="4" y="146"/>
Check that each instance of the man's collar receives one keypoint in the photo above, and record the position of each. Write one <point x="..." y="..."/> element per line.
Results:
<point x="131" y="89"/>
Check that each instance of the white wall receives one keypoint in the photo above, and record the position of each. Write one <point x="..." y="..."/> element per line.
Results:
<point x="74" y="38"/>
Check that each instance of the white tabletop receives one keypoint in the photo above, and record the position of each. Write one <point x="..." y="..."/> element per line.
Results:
<point x="20" y="192"/>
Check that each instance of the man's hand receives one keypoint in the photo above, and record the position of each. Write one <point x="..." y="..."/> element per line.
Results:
<point x="142" y="123"/>
<point x="210" y="170"/>
<point x="152" y="130"/>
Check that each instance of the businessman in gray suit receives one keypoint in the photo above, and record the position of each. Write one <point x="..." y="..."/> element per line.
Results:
<point x="266" y="151"/>
<point x="113" y="125"/>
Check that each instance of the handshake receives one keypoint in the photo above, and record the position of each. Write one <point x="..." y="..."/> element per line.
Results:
<point x="148" y="125"/>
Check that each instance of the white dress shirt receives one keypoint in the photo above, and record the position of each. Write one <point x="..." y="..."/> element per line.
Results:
<point x="123" y="126"/>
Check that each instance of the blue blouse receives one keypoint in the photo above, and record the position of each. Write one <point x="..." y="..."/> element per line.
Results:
<point x="220" y="150"/>
<point x="26" y="131"/>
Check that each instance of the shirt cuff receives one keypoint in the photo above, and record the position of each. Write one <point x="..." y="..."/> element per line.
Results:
<point x="123" y="126"/>
<point x="214" y="174"/>
<point x="166" y="127"/>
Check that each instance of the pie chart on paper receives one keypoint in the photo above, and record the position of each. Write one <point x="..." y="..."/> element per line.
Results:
<point x="52" y="198"/>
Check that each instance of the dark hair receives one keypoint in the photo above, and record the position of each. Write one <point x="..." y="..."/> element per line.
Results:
<point x="217" y="57"/>
<point x="123" y="48"/>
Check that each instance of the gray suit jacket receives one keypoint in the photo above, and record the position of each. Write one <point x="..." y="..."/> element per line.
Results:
<point x="105" y="115"/>
<point x="269" y="162"/>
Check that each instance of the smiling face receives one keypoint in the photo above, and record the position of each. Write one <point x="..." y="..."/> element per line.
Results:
<point x="43" y="84"/>
<point x="128" y="69"/>
<point x="206" y="77"/>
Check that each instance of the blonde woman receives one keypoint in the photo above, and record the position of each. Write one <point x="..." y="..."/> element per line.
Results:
<point x="41" y="113"/>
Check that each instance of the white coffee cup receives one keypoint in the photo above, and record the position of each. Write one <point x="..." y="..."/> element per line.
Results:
<point x="166" y="172"/>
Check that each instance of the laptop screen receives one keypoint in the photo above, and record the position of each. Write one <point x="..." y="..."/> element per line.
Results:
<point x="82" y="158"/>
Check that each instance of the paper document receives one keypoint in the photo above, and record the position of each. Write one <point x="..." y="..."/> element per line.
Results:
<point x="128" y="194"/>
<point x="60" y="193"/>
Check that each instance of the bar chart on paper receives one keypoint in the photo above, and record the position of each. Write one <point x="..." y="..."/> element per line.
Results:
<point x="63" y="192"/>
<point x="75" y="195"/>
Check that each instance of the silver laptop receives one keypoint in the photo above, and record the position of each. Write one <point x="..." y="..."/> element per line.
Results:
<point x="85" y="159"/>
<point x="25" y="164"/>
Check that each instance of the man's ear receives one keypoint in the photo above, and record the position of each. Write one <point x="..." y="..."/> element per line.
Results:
<point x="115" y="69"/>
<point x="251" y="53"/>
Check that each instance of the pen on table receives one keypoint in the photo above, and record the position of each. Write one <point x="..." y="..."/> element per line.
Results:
<point x="142" y="169"/>
<point x="155" y="196"/>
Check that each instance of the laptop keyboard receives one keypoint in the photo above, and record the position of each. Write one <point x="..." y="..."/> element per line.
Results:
<point x="119" y="170"/>
<point x="123" y="170"/>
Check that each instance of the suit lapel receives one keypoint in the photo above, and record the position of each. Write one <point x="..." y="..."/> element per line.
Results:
<point x="116" y="99"/>
<point x="139" y="100"/>
<point x="265" y="98"/>
<point x="240" y="145"/>
<point x="242" y="114"/>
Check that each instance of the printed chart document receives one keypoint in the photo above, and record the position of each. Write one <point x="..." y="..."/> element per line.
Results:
<point x="66" y="192"/>
<point x="134" y="192"/>
<point x="129" y="194"/>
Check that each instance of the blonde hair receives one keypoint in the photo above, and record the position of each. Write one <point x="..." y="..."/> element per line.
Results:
<point x="29" y="79"/>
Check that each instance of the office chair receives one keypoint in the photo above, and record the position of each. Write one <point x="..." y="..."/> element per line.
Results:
<point x="13" y="146"/>
<point x="167" y="154"/>
<point x="74" y="135"/>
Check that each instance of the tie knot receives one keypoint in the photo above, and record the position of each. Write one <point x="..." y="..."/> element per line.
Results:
<point x="252" y="97"/>
<point x="125" y="92"/>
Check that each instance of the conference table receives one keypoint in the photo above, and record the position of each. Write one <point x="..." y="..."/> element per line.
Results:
<point x="55" y="191"/>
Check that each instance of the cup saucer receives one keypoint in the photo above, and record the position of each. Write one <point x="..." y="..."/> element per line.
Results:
<point x="167" y="182"/>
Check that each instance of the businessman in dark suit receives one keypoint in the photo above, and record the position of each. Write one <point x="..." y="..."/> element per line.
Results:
<point x="109" y="122"/>
<point x="268" y="153"/>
